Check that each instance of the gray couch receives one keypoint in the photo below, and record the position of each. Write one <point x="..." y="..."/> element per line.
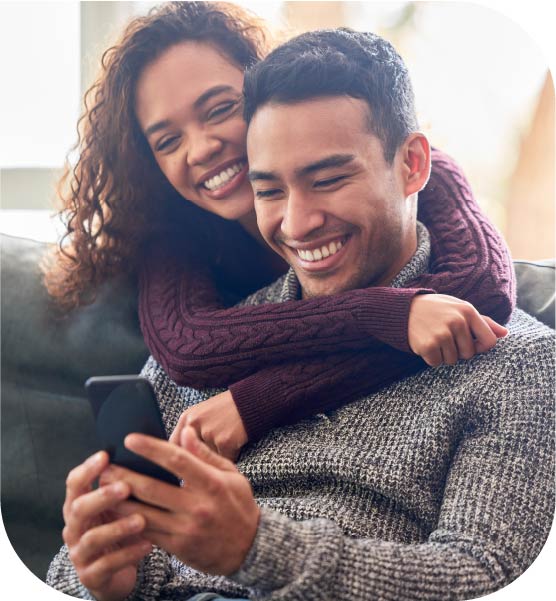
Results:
<point x="47" y="426"/>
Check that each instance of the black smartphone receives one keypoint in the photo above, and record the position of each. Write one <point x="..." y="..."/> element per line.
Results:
<point x="122" y="405"/>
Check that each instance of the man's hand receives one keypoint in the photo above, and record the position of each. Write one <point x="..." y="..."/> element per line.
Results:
<point x="104" y="548"/>
<point x="218" y="424"/>
<point x="209" y="523"/>
<point x="443" y="329"/>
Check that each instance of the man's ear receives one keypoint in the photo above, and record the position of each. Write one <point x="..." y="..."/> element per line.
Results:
<point x="416" y="163"/>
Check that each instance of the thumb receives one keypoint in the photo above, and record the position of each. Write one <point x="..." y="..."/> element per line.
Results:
<point x="190" y="441"/>
<point x="498" y="330"/>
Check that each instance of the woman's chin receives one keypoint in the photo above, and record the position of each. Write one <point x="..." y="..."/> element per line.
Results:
<point x="232" y="209"/>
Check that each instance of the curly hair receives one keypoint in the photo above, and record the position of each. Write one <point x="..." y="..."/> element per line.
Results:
<point x="116" y="198"/>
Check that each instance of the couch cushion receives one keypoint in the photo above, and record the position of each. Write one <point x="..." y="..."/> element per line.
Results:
<point x="59" y="354"/>
<point x="535" y="289"/>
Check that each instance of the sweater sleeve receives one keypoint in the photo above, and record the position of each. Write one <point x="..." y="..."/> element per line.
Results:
<point x="496" y="511"/>
<point x="316" y="385"/>
<point x="199" y="343"/>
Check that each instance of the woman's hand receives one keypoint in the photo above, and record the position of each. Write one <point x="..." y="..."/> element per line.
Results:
<point x="104" y="548"/>
<point x="217" y="423"/>
<point x="443" y="329"/>
<point x="211" y="521"/>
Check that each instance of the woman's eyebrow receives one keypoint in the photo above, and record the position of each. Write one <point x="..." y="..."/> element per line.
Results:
<point x="156" y="127"/>
<point x="214" y="91"/>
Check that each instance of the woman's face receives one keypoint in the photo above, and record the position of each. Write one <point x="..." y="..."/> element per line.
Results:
<point x="189" y="106"/>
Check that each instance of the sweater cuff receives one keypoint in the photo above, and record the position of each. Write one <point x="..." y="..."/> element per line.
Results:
<point x="286" y="554"/>
<point x="152" y="574"/>
<point x="388" y="321"/>
<point x="62" y="576"/>
<point x="259" y="401"/>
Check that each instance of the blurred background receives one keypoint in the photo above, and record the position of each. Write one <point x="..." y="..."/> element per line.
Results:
<point x="484" y="96"/>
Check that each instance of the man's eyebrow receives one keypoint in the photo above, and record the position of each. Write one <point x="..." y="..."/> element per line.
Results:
<point x="261" y="175"/>
<point x="204" y="97"/>
<point x="334" y="160"/>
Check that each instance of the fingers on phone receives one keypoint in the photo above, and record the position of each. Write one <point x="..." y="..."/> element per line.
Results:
<point x="79" y="512"/>
<point x="81" y="478"/>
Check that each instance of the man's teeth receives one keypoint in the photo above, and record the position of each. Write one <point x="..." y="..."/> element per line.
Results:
<point x="223" y="177"/>
<point x="323" y="252"/>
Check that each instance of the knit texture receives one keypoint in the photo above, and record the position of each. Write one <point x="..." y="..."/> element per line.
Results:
<point x="438" y="487"/>
<point x="249" y="349"/>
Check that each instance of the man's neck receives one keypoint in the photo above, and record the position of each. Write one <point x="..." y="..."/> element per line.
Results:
<point x="418" y="264"/>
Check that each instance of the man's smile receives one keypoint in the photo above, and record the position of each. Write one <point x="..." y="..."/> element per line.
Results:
<point x="319" y="256"/>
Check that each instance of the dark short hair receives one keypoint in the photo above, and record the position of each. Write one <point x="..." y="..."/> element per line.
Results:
<point x="338" y="62"/>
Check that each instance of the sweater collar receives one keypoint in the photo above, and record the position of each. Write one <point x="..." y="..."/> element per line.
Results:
<point x="416" y="266"/>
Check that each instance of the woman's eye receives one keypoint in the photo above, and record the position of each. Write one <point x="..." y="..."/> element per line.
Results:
<point x="222" y="109"/>
<point x="328" y="182"/>
<point x="165" y="143"/>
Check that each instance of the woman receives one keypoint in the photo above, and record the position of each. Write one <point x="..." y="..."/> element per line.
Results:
<point x="126" y="213"/>
<point x="153" y="135"/>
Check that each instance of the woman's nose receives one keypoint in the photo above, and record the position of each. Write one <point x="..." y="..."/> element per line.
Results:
<point x="202" y="148"/>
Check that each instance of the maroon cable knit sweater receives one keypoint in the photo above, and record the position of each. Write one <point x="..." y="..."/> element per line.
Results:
<point x="286" y="361"/>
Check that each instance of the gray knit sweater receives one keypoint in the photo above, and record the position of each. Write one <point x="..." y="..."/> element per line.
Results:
<point x="438" y="487"/>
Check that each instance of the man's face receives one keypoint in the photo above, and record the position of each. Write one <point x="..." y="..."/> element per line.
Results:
<point x="326" y="199"/>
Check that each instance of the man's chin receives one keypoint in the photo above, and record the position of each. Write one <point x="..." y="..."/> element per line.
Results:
<point x="313" y="287"/>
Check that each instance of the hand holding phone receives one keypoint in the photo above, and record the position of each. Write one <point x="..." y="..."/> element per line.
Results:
<point x="122" y="405"/>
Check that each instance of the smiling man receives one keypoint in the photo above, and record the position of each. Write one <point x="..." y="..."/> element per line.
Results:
<point x="439" y="486"/>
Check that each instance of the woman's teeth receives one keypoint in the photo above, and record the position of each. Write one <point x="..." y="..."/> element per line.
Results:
<point x="323" y="252"/>
<point x="223" y="177"/>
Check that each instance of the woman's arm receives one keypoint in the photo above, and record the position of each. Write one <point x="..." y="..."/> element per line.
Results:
<point x="470" y="259"/>
<point x="200" y="344"/>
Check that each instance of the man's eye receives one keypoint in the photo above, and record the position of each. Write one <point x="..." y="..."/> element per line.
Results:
<point x="222" y="109"/>
<point x="266" y="193"/>
<point x="165" y="143"/>
<point x="330" y="181"/>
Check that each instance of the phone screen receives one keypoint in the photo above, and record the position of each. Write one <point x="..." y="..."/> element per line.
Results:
<point x="122" y="405"/>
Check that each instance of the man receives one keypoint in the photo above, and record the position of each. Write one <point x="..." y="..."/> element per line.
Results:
<point x="437" y="487"/>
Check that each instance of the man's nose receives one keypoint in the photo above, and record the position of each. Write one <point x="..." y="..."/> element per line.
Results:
<point x="202" y="147"/>
<point x="302" y="216"/>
